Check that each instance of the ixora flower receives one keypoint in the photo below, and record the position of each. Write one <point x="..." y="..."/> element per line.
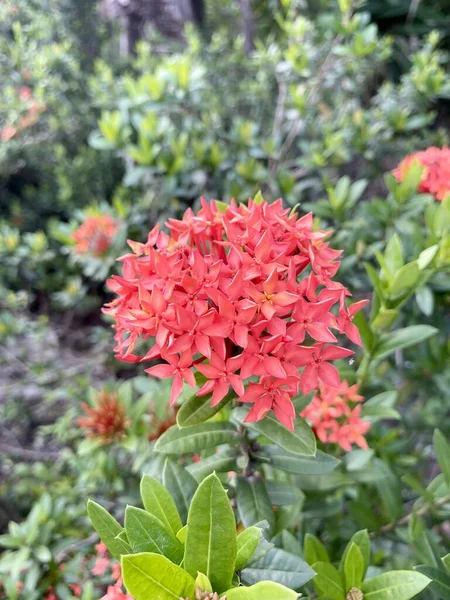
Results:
<point x="236" y="292"/>
<point x="106" y="420"/>
<point x="334" y="414"/>
<point x="436" y="175"/>
<point x="95" y="235"/>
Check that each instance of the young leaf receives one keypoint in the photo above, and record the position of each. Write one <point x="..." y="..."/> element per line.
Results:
<point x="253" y="503"/>
<point x="211" y="545"/>
<point x="149" y="575"/>
<point x="314" y="550"/>
<point x="159" y="502"/>
<point x="279" y="566"/>
<point x="402" y="338"/>
<point x="395" y="585"/>
<point x="264" y="590"/>
<point x="362" y="540"/>
<point x="328" y="581"/>
<point x="442" y="449"/>
<point x="181" y="535"/>
<point x="107" y="528"/>
<point x="353" y="567"/>
<point x="195" y="438"/>
<point x="300" y="441"/>
<point x="203" y="583"/>
<point x="247" y="542"/>
<point x="181" y="486"/>
<point x="146" y="533"/>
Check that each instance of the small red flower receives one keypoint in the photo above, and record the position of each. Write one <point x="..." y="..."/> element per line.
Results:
<point x="436" y="176"/>
<point x="107" y="420"/>
<point x="95" y="235"/>
<point x="334" y="415"/>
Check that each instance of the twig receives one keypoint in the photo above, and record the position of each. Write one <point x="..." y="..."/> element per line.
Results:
<point x="27" y="455"/>
<point x="419" y="512"/>
<point x="65" y="552"/>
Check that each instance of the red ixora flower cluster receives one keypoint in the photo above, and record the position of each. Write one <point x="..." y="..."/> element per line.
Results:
<point x="334" y="414"/>
<point x="95" y="235"/>
<point x="436" y="176"/>
<point x="236" y="292"/>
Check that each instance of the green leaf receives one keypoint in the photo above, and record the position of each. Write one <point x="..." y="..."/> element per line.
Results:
<point x="314" y="550"/>
<point x="203" y="583"/>
<point x="300" y="441"/>
<point x="353" y="567"/>
<point x="107" y="528"/>
<point x="283" y="494"/>
<point x="362" y="540"/>
<point x="195" y="438"/>
<point x="247" y="542"/>
<point x="425" y="300"/>
<point x="381" y="406"/>
<point x="146" y="533"/>
<point x="328" y="581"/>
<point x="264" y="590"/>
<point x="149" y="575"/>
<point x="393" y="254"/>
<point x="446" y="561"/>
<point x="159" y="502"/>
<point x="198" y="409"/>
<point x="253" y="503"/>
<point x="442" y="449"/>
<point x="440" y="583"/>
<point x="395" y="585"/>
<point x="181" y="535"/>
<point x="301" y="465"/>
<point x="279" y="566"/>
<point x="402" y="338"/>
<point x="221" y="462"/>
<point x="427" y="256"/>
<point x="404" y="280"/>
<point x="181" y="486"/>
<point x="211" y="545"/>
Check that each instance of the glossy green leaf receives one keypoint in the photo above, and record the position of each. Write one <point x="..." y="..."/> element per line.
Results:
<point x="181" y="486"/>
<point x="301" y="441"/>
<point x="221" y="462"/>
<point x="328" y="581"/>
<point x="440" y="580"/>
<point x="181" y="535"/>
<point x="198" y="409"/>
<point x="314" y="550"/>
<point x="211" y="545"/>
<point x="283" y="494"/>
<point x="353" y="567"/>
<point x="362" y="540"/>
<point x="153" y="576"/>
<point x="146" y="533"/>
<point x="404" y="279"/>
<point x="395" y="585"/>
<point x="279" y="566"/>
<point x="159" y="502"/>
<point x="247" y="542"/>
<point x="442" y="449"/>
<point x="264" y="590"/>
<point x="107" y="528"/>
<point x="195" y="438"/>
<point x="302" y="465"/>
<point x="253" y="503"/>
<point x="402" y="338"/>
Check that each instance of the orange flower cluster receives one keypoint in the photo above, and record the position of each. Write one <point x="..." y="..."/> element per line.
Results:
<point x="95" y="235"/>
<point x="436" y="176"/>
<point x="107" y="420"/>
<point x="334" y="414"/>
<point x="33" y="109"/>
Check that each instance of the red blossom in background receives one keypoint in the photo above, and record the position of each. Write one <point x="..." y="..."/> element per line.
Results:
<point x="107" y="420"/>
<point x="334" y="414"/>
<point x="436" y="176"/>
<point x="95" y="235"/>
<point x="235" y="292"/>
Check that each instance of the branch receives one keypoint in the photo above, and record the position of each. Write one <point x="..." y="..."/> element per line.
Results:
<point x="27" y="455"/>
<point x="418" y="513"/>
<point x="65" y="552"/>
